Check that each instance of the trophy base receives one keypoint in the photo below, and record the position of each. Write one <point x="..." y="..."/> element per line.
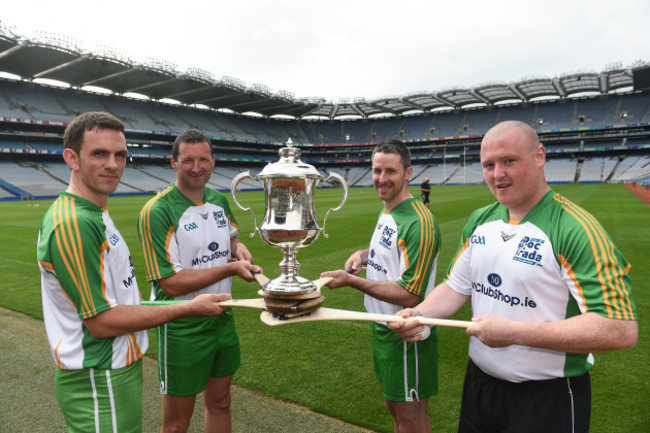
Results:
<point x="278" y="304"/>
<point x="289" y="285"/>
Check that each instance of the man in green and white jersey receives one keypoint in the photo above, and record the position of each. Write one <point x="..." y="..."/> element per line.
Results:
<point x="188" y="235"/>
<point x="94" y="323"/>
<point x="401" y="268"/>
<point x="548" y="287"/>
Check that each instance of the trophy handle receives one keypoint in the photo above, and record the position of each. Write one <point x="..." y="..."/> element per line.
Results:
<point x="344" y="184"/>
<point x="233" y="190"/>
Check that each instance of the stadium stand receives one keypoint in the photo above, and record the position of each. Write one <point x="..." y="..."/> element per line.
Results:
<point x="139" y="177"/>
<point x="599" y="136"/>
<point x="470" y="173"/>
<point x="29" y="177"/>
<point x="556" y="114"/>
<point x="5" y="194"/>
<point x="597" y="169"/>
<point x="561" y="170"/>
<point x="633" y="168"/>
<point x="522" y="113"/>
<point x="447" y="125"/>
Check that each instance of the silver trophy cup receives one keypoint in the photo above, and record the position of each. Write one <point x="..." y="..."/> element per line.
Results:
<point x="289" y="222"/>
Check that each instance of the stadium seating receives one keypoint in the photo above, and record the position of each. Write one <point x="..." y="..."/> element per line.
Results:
<point x="586" y="137"/>
<point x="470" y="173"/>
<point x="28" y="177"/>
<point x="596" y="169"/>
<point x="560" y="170"/>
<point x="632" y="168"/>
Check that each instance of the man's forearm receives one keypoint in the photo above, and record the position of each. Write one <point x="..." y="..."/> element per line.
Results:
<point x="190" y="280"/>
<point x="442" y="302"/>
<point x="580" y="334"/>
<point x="124" y="319"/>
<point x="388" y="291"/>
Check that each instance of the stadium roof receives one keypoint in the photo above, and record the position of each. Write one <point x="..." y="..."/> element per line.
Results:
<point x="59" y="58"/>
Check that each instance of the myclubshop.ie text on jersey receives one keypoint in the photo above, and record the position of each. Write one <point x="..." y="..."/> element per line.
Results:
<point x="556" y="263"/>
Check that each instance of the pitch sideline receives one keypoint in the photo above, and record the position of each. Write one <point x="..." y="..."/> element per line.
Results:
<point x="28" y="403"/>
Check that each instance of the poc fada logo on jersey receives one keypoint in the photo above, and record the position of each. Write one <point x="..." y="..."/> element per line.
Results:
<point x="220" y="218"/>
<point x="528" y="251"/>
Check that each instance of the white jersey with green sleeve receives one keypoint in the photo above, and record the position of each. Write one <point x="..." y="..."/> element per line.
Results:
<point x="404" y="248"/>
<point x="177" y="234"/>
<point x="556" y="263"/>
<point x="86" y="269"/>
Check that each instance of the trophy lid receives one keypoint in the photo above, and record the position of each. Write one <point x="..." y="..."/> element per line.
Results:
<point x="289" y="165"/>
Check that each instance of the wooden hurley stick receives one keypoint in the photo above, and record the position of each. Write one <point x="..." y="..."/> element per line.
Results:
<point x="333" y="314"/>
<point x="261" y="279"/>
<point x="256" y="303"/>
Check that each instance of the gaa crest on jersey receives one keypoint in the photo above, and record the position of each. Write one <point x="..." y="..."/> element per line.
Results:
<point x="386" y="238"/>
<point x="191" y="226"/>
<point x="204" y="215"/>
<point x="114" y="239"/>
<point x="528" y="251"/>
<point x="477" y="240"/>
<point x="220" y="218"/>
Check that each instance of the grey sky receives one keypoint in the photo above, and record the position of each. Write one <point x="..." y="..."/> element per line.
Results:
<point x="356" y="48"/>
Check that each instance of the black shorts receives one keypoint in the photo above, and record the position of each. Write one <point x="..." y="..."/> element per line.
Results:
<point x="492" y="405"/>
<point x="425" y="198"/>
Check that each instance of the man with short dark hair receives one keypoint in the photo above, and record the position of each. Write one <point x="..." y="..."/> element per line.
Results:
<point x="548" y="288"/>
<point x="401" y="271"/>
<point x="188" y="235"/>
<point x="94" y="323"/>
<point x="425" y="189"/>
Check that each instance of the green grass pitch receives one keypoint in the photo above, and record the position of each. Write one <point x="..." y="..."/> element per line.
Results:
<point x="327" y="366"/>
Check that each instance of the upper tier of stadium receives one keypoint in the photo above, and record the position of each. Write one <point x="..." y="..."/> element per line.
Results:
<point x="60" y="58"/>
<point x="595" y="126"/>
<point x="48" y="109"/>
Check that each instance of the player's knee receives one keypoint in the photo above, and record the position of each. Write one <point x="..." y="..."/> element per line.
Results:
<point x="218" y="403"/>
<point x="175" y="426"/>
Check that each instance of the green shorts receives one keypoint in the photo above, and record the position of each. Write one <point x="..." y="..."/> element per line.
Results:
<point x="407" y="371"/>
<point x="193" y="349"/>
<point x="101" y="400"/>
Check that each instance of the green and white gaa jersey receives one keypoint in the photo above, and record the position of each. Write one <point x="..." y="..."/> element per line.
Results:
<point x="556" y="263"/>
<point x="177" y="234"/>
<point x="86" y="269"/>
<point x="404" y="248"/>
